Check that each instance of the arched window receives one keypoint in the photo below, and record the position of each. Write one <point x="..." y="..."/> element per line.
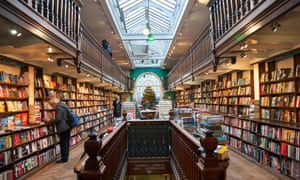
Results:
<point x="144" y="80"/>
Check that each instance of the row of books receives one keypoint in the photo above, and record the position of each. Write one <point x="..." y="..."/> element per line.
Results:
<point x="11" y="121"/>
<point x="7" y="175"/>
<point x="270" y="131"/>
<point x="280" y="115"/>
<point x="277" y="88"/>
<point x="290" y="168"/>
<point x="5" y="142"/>
<point x="11" y="78"/>
<point x="279" y="74"/>
<point x="269" y="144"/>
<point x="33" y="146"/>
<point x="290" y="151"/>
<point x="233" y="122"/>
<point x="13" y="92"/>
<point x="281" y="101"/>
<point x="32" y="134"/>
<point x="25" y="165"/>
<point x="286" y="165"/>
<point x="84" y="90"/>
<point x="276" y="133"/>
<point x="250" y="137"/>
<point x="236" y="132"/>
<point x="290" y="136"/>
<point x="225" y="84"/>
<point x="5" y="158"/>
<point x="250" y="126"/>
<point x="14" y="106"/>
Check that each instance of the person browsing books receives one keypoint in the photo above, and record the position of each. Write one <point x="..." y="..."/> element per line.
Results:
<point x="117" y="107"/>
<point x="62" y="127"/>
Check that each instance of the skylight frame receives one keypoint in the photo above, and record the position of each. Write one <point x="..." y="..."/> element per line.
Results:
<point x="164" y="18"/>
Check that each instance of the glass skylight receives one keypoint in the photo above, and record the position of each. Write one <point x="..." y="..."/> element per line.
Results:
<point x="131" y="18"/>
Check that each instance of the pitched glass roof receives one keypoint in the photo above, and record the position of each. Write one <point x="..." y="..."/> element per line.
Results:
<point x="131" y="18"/>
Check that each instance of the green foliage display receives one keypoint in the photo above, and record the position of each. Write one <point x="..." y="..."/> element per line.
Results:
<point x="149" y="94"/>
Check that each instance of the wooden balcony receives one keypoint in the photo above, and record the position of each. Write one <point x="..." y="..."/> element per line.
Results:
<point x="234" y="20"/>
<point x="150" y="147"/>
<point x="58" y="23"/>
<point x="95" y="58"/>
<point x="194" y="62"/>
<point x="55" y="21"/>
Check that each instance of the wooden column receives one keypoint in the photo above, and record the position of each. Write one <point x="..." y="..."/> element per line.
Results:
<point x="209" y="164"/>
<point x="94" y="167"/>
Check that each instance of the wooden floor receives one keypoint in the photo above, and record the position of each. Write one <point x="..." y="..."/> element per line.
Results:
<point x="240" y="168"/>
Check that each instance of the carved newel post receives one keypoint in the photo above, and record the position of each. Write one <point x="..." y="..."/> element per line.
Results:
<point x="94" y="166"/>
<point x="171" y="113"/>
<point x="209" y="164"/>
<point x="124" y="115"/>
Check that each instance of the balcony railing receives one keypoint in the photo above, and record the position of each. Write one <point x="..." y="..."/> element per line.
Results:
<point x="148" y="139"/>
<point x="103" y="159"/>
<point x="63" y="14"/>
<point x="154" y="147"/>
<point x="234" y="20"/>
<point x="95" y="58"/>
<point x="192" y="63"/>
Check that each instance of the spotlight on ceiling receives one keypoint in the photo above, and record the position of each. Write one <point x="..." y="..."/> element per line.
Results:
<point x="275" y="26"/>
<point x="243" y="55"/>
<point x="243" y="45"/>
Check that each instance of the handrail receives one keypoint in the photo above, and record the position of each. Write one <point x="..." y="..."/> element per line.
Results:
<point x="107" y="158"/>
<point x="234" y="20"/>
<point x="63" y="14"/>
<point x="189" y="162"/>
<point x="102" y="158"/>
<point x="97" y="59"/>
<point x="194" y="60"/>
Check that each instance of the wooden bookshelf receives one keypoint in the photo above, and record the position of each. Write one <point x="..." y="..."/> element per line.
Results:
<point x="27" y="145"/>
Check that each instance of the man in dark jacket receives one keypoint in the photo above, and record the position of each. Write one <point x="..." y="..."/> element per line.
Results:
<point x="62" y="128"/>
<point x="117" y="107"/>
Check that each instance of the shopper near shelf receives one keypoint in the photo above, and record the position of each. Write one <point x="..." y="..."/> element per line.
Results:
<point x="62" y="127"/>
<point x="117" y="107"/>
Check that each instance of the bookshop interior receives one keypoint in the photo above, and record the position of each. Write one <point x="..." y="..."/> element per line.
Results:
<point x="209" y="89"/>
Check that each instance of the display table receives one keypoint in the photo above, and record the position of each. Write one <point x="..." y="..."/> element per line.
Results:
<point x="149" y="113"/>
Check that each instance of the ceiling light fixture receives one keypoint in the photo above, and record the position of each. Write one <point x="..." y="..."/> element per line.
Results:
<point x="243" y="55"/>
<point x="243" y="45"/>
<point x="150" y="37"/>
<point x="13" y="32"/>
<point x="50" y="50"/>
<point x="147" y="30"/>
<point x="275" y="26"/>
<point x="50" y="59"/>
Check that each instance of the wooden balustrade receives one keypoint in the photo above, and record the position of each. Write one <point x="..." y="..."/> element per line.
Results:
<point x="104" y="159"/>
<point x="226" y="14"/>
<point x="188" y="162"/>
<point x="148" y="139"/>
<point x="96" y="59"/>
<point x="149" y="152"/>
<point x="199" y="57"/>
<point x="63" y="14"/>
